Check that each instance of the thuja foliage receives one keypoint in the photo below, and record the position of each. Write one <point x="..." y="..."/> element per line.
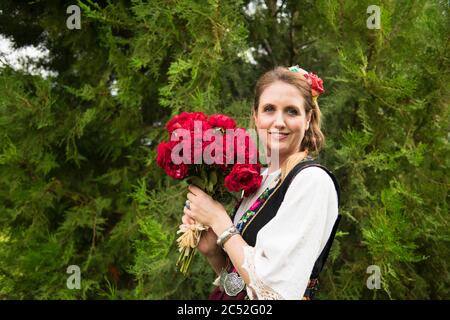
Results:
<point x="78" y="182"/>
<point x="387" y="123"/>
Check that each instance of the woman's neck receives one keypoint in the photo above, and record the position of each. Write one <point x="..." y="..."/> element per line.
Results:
<point x="274" y="166"/>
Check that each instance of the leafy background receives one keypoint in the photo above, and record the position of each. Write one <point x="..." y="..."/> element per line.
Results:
<point x="78" y="180"/>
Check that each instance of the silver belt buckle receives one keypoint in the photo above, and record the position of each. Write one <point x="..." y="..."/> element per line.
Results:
<point x="231" y="283"/>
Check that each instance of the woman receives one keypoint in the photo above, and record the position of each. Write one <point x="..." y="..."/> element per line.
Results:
<point x="280" y="236"/>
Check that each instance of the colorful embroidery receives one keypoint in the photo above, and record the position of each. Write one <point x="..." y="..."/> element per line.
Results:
<point x="254" y="208"/>
<point x="258" y="203"/>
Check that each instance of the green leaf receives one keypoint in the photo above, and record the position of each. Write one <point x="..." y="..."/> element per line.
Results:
<point x="197" y="182"/>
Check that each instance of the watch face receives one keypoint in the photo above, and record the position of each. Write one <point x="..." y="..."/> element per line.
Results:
<point x="233" y="284"/>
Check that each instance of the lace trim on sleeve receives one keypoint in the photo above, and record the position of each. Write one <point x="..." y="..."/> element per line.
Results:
<point x="216" y="282"/>
<point x="257" y="289"/>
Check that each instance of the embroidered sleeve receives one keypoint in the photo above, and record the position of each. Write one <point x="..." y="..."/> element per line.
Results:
<point x="257" y="289"/>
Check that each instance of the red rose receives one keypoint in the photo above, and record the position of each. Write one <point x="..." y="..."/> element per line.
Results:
<point x="186" y="120"/>
<point x="221" y="121"/>
<point x="177" y="122"/>
<point x="195" y="125"/>
<point x="163" y="154"/>
<point x="176" y="171"/>
<point x="243" y="150"/>
<point x="244" y="177"/>
<point x="198" y="147"/>
<point x="164" y="160"/>
<point x="316" y="83"/>
<point x="198" y="141"/>
<point x="215" y="153"/>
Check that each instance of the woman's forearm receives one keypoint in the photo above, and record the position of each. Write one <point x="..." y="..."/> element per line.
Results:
<point x="217" y="261"/>
<point x="234" y="249"/>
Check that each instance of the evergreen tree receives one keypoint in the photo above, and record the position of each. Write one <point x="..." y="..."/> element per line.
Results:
<point x="387" y="122"/>
<point x="78" y="183"/>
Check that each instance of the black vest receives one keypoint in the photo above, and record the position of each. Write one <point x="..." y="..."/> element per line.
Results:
<point x="270" y="209"/>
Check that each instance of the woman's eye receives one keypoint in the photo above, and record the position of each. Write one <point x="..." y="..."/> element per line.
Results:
<point x="268" y="108"/>
<point x="292" y="112"/>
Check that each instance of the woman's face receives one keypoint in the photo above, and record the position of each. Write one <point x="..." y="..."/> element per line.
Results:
<point x="281" y="120"/>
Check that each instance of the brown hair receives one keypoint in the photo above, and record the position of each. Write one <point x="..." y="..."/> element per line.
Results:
<point x="314" y="139"/>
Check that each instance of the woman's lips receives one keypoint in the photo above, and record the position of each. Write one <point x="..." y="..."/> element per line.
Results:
<point x="279" y="135"/>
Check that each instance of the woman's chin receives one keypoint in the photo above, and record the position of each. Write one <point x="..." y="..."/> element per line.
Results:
<point x="279" y="149"/>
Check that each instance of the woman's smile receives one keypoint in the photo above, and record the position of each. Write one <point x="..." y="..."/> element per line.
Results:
<point x="280" y="136"/>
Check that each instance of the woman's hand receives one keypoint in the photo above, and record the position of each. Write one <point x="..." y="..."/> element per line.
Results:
<point x="207" y="244"/>
<point x="206" y="210"/>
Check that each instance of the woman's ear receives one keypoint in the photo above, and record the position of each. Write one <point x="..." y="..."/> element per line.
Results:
<point x="254" y="116"/>
<point x="308" y="120"/>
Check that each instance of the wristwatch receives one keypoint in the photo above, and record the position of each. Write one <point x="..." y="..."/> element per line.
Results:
<point x="227" y="234"/>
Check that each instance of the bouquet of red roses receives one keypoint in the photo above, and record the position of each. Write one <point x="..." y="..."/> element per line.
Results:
<point x="213" y="154"/>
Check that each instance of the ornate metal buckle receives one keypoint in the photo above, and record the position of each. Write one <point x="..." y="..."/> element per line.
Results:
<point x="232" y="284"/>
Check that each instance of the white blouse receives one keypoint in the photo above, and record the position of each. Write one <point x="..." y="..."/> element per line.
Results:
<point x="286" y="248"/>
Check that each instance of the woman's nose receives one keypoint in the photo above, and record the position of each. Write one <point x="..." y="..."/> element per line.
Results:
<point x="279" y="121"/>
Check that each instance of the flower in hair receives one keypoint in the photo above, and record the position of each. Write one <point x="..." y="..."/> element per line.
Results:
<point x="315" y="82"/>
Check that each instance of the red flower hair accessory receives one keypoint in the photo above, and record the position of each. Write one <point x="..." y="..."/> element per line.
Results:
<point x="315" y="82"/>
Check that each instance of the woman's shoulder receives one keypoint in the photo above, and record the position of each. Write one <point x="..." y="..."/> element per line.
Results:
<point x="312" y="177"/>
<point x="315" y="171"/>
<point x="314" y="184"/>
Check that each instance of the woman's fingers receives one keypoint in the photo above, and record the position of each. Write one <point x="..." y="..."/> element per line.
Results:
<point x="190" y="196"/>
<point x="193" y="189"/>
<point x="187" y="217"/>
<point x="188" y="220"/>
